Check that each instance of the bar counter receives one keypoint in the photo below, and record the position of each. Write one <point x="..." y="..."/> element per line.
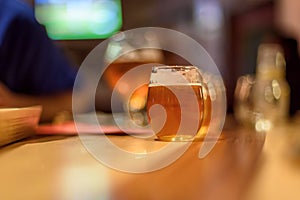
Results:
<point x="244" y="164"/>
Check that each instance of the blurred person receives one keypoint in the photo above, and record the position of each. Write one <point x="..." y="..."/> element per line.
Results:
<point x="287" y="18"/>
<point x="33" y="71"/>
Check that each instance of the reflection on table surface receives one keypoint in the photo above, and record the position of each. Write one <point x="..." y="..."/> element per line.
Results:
<point x="243" y="165"/>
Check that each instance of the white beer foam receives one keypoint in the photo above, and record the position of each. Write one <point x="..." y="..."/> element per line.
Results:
<point x="171" y="76"/>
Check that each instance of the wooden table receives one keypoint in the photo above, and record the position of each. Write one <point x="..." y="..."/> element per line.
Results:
<point x="244" y="165"/>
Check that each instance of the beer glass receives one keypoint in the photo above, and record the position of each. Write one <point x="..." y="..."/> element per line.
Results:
<point x="175" y="104"/>
<point x="244" y="109"/>
<point x="127" y="51"/>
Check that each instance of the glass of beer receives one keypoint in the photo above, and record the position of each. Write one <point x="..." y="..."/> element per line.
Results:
<point x="127" y="51"/>
<point x="176" y="104"/>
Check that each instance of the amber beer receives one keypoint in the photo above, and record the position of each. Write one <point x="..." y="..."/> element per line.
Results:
<point x="166" y="97"/>
<point x="136" y="105"/>
<point x="117" y="69"/>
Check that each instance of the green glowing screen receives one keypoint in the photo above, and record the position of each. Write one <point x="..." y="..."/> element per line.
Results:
<point x="79" y="19"/>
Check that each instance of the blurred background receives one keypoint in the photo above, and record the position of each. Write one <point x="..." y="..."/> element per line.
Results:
<point x="230" y="30"/>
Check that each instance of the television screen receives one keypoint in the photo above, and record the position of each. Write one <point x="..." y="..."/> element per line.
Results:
<point x="79" y="19"/>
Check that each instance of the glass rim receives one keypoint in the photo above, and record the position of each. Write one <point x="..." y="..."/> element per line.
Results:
<point x="174" y="67"/>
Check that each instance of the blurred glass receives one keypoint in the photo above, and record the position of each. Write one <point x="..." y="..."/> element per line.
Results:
<point x="262" y="101"/>
<point x="271" y="88"/>
<point x="244" y="110"/>
<point x="130" y="57"/>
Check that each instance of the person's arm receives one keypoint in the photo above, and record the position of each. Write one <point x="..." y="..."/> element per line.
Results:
<point x="52" y="104"/>
<point x="34" y="71"/>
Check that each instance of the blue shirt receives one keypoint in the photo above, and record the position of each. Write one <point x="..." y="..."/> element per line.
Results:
<point x="29" y="61"/>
